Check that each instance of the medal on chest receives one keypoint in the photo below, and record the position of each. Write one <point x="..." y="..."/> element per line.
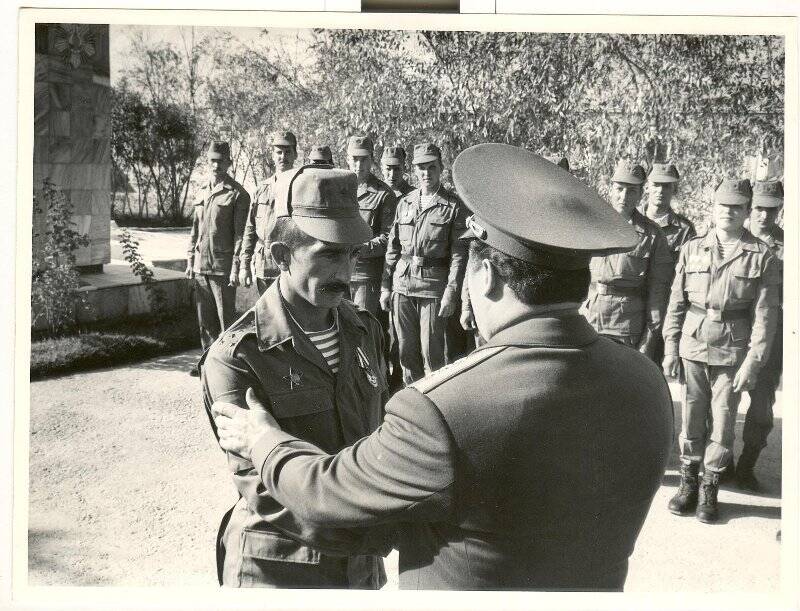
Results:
<point x="363" y="362"/>
<point x="294" y="378"/>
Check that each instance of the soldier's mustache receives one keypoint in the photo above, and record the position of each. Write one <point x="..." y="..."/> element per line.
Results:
<point x="335" y="287"/>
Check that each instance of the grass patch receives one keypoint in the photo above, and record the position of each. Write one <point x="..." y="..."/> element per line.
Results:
<point x="106" y="344"/>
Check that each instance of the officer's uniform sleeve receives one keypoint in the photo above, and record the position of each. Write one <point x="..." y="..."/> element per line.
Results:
<point x="677" y="306"/>
<point x="249" y="234"/>
<point x="240" y="213"/>
<point x="392" y="252"/>
<point x="226" y="378"/>
<point x="766" y="312"/>
<point x="458" y="252"/>
<point x="376" y="247"/>
<point x="404" y="471"/>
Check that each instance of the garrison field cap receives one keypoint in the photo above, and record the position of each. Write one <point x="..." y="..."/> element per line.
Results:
<point x="664" y="172"/>
<point x="219" y="150"/>
<point x="321" y="153"/>
<point x="425" y="152"/>
<point x="561" y="162"/>
<point x="629" y="172"/>
<point x="323" y="203"/>
<point x="768" y="193"/>
<point x="283" y="138"/>
<point x="360" y="145"/>
<point x="733" y="192"/>
<point x="393" y="155"/>
<point x="531" y="209"/>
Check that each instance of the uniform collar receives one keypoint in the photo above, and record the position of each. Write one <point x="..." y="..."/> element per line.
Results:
<point x="274" y="326"/>
<point x="568" y="330"/>
<point x="639" y="221"/>
<point x="225" y="184"/>
<point x="371" y="186"/>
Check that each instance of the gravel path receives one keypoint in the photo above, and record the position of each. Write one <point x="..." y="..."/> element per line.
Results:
<point x="127" y="487"/>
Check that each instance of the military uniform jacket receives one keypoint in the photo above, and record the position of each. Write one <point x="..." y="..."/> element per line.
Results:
<point x="260" y="221"/>
<point x="402" y="189"/>
<point x="424" y="257"/>
<point x="678" y="230"/>
<point x="376" y="204"/>
<point x="629" y="291"/>
<point x="721" y="312"/>
<point x="220" y="215"/>
<point x="265" y="350"/>
<point x="542" y="483"/>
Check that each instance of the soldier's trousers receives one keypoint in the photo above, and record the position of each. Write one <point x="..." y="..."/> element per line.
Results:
<point x="709" y="414"/>
<point x="262" y="284"/>
<point x="216" y="306"/>
<point x="420" y="335"/>
<point x="758" y="422"/>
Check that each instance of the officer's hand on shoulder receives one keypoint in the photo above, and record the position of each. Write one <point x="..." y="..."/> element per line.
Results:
<point x="240" y="429"/>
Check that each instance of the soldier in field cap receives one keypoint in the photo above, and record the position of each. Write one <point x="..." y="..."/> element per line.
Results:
<point x="316" y="362"/>
<point x="529" y="464"/>
<point x="215" y="246"/>
<point x="718" y="334"/>
<point x="393" y="163"/>
<point x="261" y="217"/>
<point x="321" y="155"/>
<point x="767" y="204"/>
<point x="629" y="290"/>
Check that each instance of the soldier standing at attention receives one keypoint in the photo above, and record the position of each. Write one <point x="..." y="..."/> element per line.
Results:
<point x="424" y="265"/>
<point x="767" y="203"/>
<point x="393" y="163"/>
<point x="629" y="290"/>
<point x="261" y="217"/>
<point x="663" y="183"/>
<point x="215" y="243"/>
<point x="377" y="203"/>
<point x="718" y="332"/>
<point x="321" y="155"/>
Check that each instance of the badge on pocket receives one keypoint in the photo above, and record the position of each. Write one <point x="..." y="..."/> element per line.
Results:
<point x="363" y="362"/>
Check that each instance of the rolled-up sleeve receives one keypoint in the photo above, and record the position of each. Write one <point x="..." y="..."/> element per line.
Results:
<point x="403" y="471"/>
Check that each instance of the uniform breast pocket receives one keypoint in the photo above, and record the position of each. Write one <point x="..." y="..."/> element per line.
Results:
<point x="367" y="211"/>
<point x="633" y="264"/>
<point x="405" y="229"/>
<point x="305" y="412"/>
<point x="271" y="559"/>
<point x="438" y="229"/>
<point x="696" y="284"/>
<point x="744" y="283"/>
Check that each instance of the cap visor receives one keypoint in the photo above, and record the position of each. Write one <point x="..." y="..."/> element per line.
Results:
<point x="391" y="161"/>
<point x="359" y="152"/>
<point x="467" y="234"/>
<point x="731" y="199"/>
<point x="425" y="159"/>
<point x="767" y="201"/>
<point x="216" y="156"/>
<point x="338" y="231"/>
<point x="627" y="178"/>
<point x="662" y="178"/>
<point x="282" y="142"/>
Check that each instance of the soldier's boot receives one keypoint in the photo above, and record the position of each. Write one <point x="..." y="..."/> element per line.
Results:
<point x="745" y="479"/>
<point x="707" y="510"/>
<point x="685" y="500"/>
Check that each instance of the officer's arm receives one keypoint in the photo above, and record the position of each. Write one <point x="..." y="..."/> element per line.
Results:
<point x="392" y="253"/>
<point x="458" y="252"/>
<point x="677" y="306"/>
<point x="241" y="207"/>
<point x="404" y="471"/>
<point x="226" y="378"/>
<point x="376" y="247"/>
<point x="765" y="313"/>
<point x="249" y="234"/>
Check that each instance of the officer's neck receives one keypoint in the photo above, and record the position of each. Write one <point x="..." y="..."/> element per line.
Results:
<point x="510" y="312"/>
<point x="429" y="189"/>
<point x="726" y="235"/>
<point x="306" y="314"/>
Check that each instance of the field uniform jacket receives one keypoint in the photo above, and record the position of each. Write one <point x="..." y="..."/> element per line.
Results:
<point x="376" y="204"/>
<point x="260" y="221"/>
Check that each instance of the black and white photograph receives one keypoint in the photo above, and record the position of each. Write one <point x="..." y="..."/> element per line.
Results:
<point x="323" y="302"/>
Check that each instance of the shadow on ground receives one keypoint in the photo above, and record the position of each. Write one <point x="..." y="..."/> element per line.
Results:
<point x="176" y="362"/>
<point x="49" y="555"/>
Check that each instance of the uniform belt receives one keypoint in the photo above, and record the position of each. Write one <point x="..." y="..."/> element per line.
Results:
<point x="720" y="315"/>
<point x="606" y="289"/>
<point x="427" y="261"/>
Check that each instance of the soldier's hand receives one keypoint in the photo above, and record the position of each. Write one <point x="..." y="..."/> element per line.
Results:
<point x="239" y="429"/>
<point x="671" y="366"/>
<point x="233" y="279"/>
<point x="386" y="300"/>
<point x="745" y="378"/>
<point x="467" y="320"/>
<point x="190" y="269"/>
<point x="245" y="277"/>
<point x="447" y="307"/>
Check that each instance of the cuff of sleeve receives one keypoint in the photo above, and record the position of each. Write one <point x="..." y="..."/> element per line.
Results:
<point x="671" y="349"/>
<point x="753" y="362"/>
<point x="264" y="447"/>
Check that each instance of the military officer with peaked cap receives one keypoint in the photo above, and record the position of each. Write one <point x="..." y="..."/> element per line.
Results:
<point x="321" y="155"/>
<point x="215" y="246"/>
<point x="393" y="162"/>
<point x="529" y="464"/>
<point x="316" y="360"/>
<point x="629" y="290"/>
<point x="767" y="203"/>
<point x="662" y="185"/>
<point x="718" y="332"/>
<point x="261" y="217"/>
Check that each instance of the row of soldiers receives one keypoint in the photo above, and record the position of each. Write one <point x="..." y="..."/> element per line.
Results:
<point x="717" y="329"/>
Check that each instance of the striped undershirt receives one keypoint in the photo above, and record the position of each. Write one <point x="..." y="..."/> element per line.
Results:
<point x="724" y="249"/>
<point x="327" y="341"/>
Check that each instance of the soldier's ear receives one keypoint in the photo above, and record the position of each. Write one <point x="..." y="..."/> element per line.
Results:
<point x="281" y="253"/>
<point x="489" y="279"/>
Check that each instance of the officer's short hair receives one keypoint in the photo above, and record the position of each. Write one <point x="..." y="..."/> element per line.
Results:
<point x="531" y="283"/>
<point x="286" y="230"/>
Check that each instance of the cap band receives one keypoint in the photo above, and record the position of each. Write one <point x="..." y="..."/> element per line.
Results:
<point x="322" y="212"/>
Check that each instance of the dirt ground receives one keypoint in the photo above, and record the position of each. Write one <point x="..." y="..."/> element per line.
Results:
<point x="127" y="488"/>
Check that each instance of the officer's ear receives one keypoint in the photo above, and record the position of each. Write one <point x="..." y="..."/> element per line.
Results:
<point x="281" y="253"/>
<point x="489" y="282"/>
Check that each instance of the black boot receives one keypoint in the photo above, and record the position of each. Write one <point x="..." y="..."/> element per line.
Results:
<point x="707" y="511"/>
<point x="685" y="500"/>
<point x="745" y="478"/>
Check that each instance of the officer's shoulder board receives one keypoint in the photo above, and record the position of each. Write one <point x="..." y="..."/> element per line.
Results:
<point x="448" y="372"/>
<point x="230" y="339"/>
